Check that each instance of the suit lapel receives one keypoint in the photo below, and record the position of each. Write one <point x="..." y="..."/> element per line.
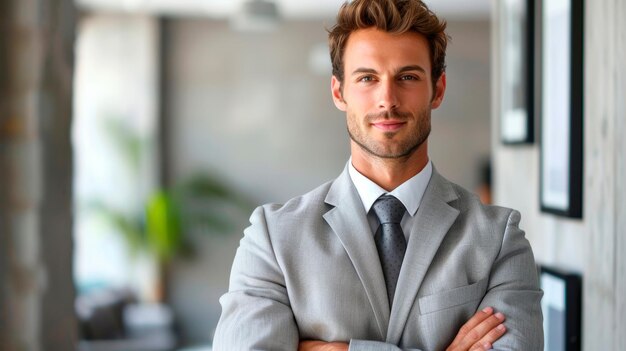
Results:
<point x="349" y="222"/>
<point x="434" y="218"/>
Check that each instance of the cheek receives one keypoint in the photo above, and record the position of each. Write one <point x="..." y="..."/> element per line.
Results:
<point x="358" y="101"/>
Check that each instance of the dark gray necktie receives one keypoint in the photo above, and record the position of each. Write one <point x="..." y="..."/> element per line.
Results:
<point x="390" y="240"/>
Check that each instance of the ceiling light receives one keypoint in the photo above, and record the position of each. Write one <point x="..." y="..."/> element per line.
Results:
<point x="256" y="15"/>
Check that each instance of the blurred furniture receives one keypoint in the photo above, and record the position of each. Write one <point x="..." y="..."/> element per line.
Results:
<point x="113" y="320"/>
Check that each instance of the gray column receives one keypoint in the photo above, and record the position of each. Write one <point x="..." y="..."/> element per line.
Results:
<point x="36" y="290"/>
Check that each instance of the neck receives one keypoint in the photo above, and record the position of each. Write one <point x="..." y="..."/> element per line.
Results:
<point x="389" y="173"/>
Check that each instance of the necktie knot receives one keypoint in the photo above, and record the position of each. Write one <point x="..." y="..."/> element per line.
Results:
<point x="388" y="209"/>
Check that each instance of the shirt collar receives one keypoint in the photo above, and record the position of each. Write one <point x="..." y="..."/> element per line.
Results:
<point x="410" y="193"/>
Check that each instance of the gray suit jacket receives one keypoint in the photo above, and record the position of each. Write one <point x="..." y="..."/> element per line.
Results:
<point x="309" y="269"/>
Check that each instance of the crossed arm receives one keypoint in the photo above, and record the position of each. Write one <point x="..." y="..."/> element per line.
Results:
<point x="257" y="311"/>
<point x="477" y="334"/>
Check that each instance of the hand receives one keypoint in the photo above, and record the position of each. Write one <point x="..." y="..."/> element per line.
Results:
<point x="479" y="332"/>
<point x="315" y="345"/>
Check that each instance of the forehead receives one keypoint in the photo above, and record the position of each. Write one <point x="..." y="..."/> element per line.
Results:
<point x="375" y="47"/>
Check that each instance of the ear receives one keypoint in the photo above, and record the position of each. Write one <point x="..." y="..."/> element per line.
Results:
<point x="335" y="87"/>
<point x="440" y="89"/>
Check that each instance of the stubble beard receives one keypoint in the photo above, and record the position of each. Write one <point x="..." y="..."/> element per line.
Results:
<point x="392" y="150"/>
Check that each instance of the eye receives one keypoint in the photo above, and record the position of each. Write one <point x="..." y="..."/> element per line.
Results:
<point x="409" y="77"/>
<point x="366" y="79"/>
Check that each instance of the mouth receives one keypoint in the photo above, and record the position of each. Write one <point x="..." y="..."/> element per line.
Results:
<point x="388" y="125"/>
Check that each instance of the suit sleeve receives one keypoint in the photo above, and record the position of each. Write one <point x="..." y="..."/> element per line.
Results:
<point x="256" y="313"/>
<point x="368" y="345"/>
<point x="514" y="290"/>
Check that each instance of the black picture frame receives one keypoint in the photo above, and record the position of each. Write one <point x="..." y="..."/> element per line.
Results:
<point x="561" y="306"/>
<point x="561" y="107"/>
<point x="517" y="74"/>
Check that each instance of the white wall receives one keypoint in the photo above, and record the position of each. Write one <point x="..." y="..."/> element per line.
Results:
<point x="594" y="246"/>
<point x="115" y="85"/>
<point x="247" y="106"/>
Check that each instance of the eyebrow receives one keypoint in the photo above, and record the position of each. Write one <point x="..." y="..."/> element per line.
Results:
<point x="412" y="68"/>
<point x="403" y="69"/>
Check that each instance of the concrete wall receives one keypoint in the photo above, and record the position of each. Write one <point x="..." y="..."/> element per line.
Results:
<point x="594" y="246"/>
<point x="249" y="107"/>
<point x="36" y="290"/>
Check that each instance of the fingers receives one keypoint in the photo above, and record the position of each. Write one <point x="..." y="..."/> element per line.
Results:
<point x="316" y="345"/>
<point x="311" y="345"/>
<point x="486" y="343"/>
<point x="476" y="319"/>
<point x="482" y="336"/>
<point x="480" y="331"/>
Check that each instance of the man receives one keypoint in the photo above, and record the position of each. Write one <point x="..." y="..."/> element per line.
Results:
<point x="390" y="255"/>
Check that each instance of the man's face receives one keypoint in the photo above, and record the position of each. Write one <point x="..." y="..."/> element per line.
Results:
<point x="387" y="92"/>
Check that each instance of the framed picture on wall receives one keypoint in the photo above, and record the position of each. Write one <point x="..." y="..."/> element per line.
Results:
<point x="561" y="307"/>
<point x="562" y="107"/>
<point x="517" y="33"/>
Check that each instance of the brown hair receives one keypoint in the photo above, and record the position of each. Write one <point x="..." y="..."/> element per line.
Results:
<point x="392" y="16"/>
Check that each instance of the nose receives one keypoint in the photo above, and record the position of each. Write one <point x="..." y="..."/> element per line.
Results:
<point x="387" y="97"/>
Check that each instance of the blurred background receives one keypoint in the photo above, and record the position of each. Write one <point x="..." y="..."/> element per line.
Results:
<point x="137" y="136"/>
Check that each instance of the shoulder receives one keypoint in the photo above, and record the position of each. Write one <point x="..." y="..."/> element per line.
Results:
<point x="485" y="217"/>
<point x="309" y="205"/>
<point x="284" y="226"/>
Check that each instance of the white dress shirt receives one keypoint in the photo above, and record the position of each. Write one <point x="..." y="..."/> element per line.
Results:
<point x="410" y="193"/>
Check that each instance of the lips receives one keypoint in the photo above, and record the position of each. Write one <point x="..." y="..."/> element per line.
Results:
<point x="388" y="125"/>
